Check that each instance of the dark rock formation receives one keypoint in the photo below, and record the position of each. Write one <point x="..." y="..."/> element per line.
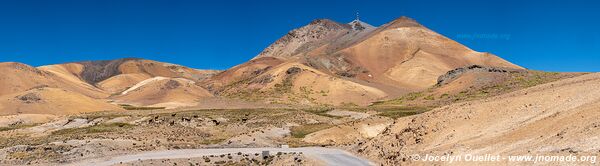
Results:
<point x="29" y="98"/>
<point x="96" y="71"/>
<point x="455" y="73"/>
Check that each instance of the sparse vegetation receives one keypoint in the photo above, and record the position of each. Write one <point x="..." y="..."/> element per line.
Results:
<point x="302" y="131"/>
<point x="348" y="104"/>
<point x="18" y="126"/>
<point x="130" y="107"/>
<point x="321" y="111"/>
<point x="396" y="112"/>
<point x="515" y="81"/>
<point x="101" y="128"/>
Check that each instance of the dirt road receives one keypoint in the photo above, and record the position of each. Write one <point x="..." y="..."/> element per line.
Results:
<point x="329" y="156"/>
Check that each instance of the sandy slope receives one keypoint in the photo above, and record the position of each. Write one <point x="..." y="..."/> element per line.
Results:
<point x="163" y="92"/>
<point x="296" y="83"/>
<point x="395" y="59"/>
<point x="92" y="80"/>
<point x="116" y="75"/>
<point x="555" y="118"/>
<point x="406" y="53"/>
<point x="51" y="101"/>
<point x="18" y="77"/>
<point x="25" y="119"/>
<point x="121" y="82"/>
<point x="241" y="72"/>
<point x="327" y="89"/>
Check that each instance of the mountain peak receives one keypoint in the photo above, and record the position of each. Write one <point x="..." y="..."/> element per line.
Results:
<point x="327" y="23"/>
<point x="404" y="21"/>
<point x="358" y="25"/>
<point x="305" y="38"/>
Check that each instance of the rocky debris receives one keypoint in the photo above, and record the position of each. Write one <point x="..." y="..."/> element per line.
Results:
<point x="62" y="151"/>
<point x="260" y="71"/>
<point x="262" y="79"/>
<point x="171" y="84"/>
<point x="305" y="38"/>
<point x="233" y="159"/>
<point x="293" y="70"/>
<point x="39" y="87"/>
<point x="21" y="67"/>
<point x="391" y="144"/>
<point x="29" y="98"/>
<point x="455" y="73"/>
<point x="268" y="137"/>
<point x="346" y="74"/>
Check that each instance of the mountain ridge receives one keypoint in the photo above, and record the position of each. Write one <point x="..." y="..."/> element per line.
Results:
<point x="340" y="59"/>
<point x="401" y="56"/>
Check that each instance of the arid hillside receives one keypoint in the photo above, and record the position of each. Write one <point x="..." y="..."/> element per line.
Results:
<point x="556" y="118"/>
<point x="45" y="100"/>
<point x="89" y="86"/>
<point x="163" y="92"/>
<point x="364" y="94"/>
<point x="18" y="77"/>
<point x="395" y="59"/>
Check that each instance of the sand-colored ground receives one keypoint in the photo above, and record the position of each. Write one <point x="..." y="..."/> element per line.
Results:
<point x="121" y="82"/>
<point x="351" y="132"/>
<point x="405" y="53"/>
<point x="303" y="90"/>
<point x="52" y="101"/>
<point x="555" y="118"/>
<point x="163" y="92"/>
<point x="88" y="136"/>
<point x="295" y="83"/>
<point x="18" y="77"/>
<point x="25" y="119"/>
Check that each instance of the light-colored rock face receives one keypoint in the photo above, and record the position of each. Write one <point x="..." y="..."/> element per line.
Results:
<point x="352" y="132"/>
<point x="358" y="25"/>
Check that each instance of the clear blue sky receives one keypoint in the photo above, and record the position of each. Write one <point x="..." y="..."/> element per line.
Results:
<point x="541" y="35"/>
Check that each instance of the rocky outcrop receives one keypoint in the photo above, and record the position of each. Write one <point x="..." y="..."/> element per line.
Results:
<point x="453" y="74"/>
<point x="96" y="71"/>
<point x="305" y="38"/>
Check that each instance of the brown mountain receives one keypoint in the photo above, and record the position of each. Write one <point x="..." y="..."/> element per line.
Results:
<point x="163" y="92"/>
<point x="373" y="63"/>
<point x="55" y="101"/>
<point x="324" y="62"/>
<point x="117" y="75"/>
<point x="66" y="88"/>
<point x="18" y="77"/>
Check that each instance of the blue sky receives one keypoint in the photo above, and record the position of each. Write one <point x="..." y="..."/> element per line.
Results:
<point x="541" y="35"/>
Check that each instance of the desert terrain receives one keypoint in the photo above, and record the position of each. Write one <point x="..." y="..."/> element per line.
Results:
<point x="326" y="93"/>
